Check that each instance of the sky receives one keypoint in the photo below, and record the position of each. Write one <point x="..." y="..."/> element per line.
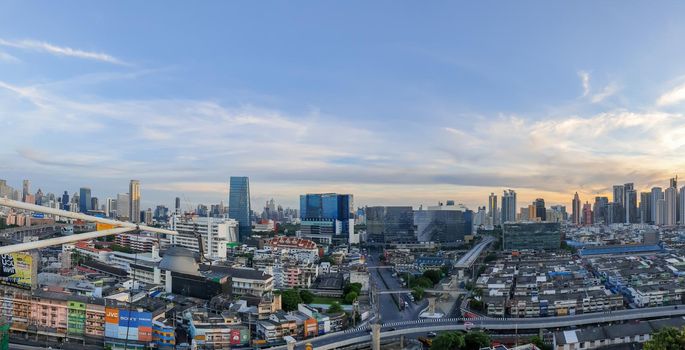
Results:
<point x="398" y="103"/>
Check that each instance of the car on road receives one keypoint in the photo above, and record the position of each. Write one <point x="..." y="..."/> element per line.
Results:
<point x="432" y="334"/>
<point x="468" y="325"/>
<point x="393" y="329"/>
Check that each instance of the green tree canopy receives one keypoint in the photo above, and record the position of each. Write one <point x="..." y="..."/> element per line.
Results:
<point x="335" y="308"/>
<point x="306" y="296"/>
<point x="290" y="298"/>
<point x="667" y="339"/>
<point x="418" y="293"/>
<point x="351" y="297"/>
<point x="476" y="340"/>
<point x="448" y="341"/>
<point x="433" y="275"/>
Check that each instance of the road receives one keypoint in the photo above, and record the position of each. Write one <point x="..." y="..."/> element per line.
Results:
<point x="470" y="257"/>
<point x="388" y="309"/>
<point x="416" y="327"/>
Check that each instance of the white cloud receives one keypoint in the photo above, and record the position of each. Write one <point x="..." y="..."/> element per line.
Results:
<point x="52" y="49"/>
<point x="585" y="81"/>
<point x="7" y="58"/>
<point x="673" y="96"/>
<point x="608" y="91"/>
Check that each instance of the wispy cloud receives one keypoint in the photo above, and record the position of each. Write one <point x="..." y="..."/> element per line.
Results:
<point x="672" y="97"/>
<point x="584" y="81"/>
<point x="606" y="92"/>
<point x="41" y="46"/>
<point x="7" y="58"/>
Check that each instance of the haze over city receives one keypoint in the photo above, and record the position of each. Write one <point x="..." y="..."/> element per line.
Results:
<point x="433" y="102"/>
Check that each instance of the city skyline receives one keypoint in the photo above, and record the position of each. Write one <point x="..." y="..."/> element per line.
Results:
<point x="455" y="109"/>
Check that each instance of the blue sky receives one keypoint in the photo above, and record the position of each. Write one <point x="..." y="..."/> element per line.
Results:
<point x="395" y="102"/>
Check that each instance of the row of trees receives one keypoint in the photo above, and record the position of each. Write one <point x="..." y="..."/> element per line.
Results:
<point x="292" y="297"/>
<point x="418" y="285"/>
<point x="460" y="341"/>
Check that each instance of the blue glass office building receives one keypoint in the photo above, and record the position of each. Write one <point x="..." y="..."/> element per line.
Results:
<point x="239" y="205"/>
<point x="84" y="200"/>
<point x="327" y="217"/>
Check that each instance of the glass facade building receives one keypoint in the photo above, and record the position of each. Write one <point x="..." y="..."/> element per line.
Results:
<point x="390" y="224"/>
<point x="239" y="205"/>
<point x="84" y="200"/>
<point x="531" y="235"/>
<point x="443" y="225"/>
<point x="334" y="209"/>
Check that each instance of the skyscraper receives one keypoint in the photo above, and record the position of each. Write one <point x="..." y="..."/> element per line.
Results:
<point x="509" y="206"/>
<point x="123" y="206"/>
<point x="674" y="183"/>
<point x="660" y="212"/>
<point x="134" y="201"/>
<point x="630" y="203"/>
<point x="599" y="211"/>
<point x="84" y="199"/>
<point x="587" y="214"/>
<point x="540" y="210"/>
<point x="25" y="189"/>
<point x="177" y="207"/>
<point x="65" y="201"/>
<point x="657" y="194"/>
<point x="645" y="207"/>
<point x="670" y="196"/>
<point x="681" y="207"/>
<point x="492" y="209"/>
<point x="576" y="209"/>
<point x="94" y="203"/>
<point x="239" y="205"/>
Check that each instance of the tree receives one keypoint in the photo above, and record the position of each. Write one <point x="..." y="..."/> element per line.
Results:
<point x="476" y="340"/>
<point x="335" y="308"/>
<point x="422" y="282"/>
<point x="306" y="296"/>
<point x="537" y="341"/>
<point x="476" y="305"/>
<point x="353" y="287"/>
<point x="290" y="298"/>
<point x="448" y="341"/>
<point x="667" y="339"/>
<point x="433" y="275"/>
<point x="351" y="297"/>
<point x="418" y="293"/>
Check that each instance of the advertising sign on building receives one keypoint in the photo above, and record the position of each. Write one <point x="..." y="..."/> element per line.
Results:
<point x="17" y="270"/>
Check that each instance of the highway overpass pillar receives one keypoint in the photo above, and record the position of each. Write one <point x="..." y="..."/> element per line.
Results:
<point x="291" y="345"/>
<point x="375" y="336"/>
<point x="431" y="305"/>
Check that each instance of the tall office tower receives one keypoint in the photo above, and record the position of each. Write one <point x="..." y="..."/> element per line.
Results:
<point x="587" y="214"/>
<point x="177" y="206"/>
<point x="660" y="212"/>
<point x="84" y="200"/>
<point x="657" y="194"/>
<point x="328" y="218"/>
<point x="540" y="210"/>
<point x="94" y="203"/>
<point x="674" y="183"/>
<point x="599" y="211"/>
<point x="645" y="207"/>
<point x="681" y="207"/>
<point x="134" y="201"/>
<point x="110" y="207"/>
<point x="25" y="189"/>
<point x="239" y="205"/>
<point x="123" y="209"/>
<point x="575" y="209"/>
<point x="492" y="210"/>
<point x="631" y="212"/>
<point x="670" y="196"/>
<point x="65" y="201"/>
<point x="509" y="206"/>
<point x="618" y="194"/>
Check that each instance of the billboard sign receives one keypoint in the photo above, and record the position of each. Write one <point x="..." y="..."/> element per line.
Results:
<point x="16" y="269"/>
